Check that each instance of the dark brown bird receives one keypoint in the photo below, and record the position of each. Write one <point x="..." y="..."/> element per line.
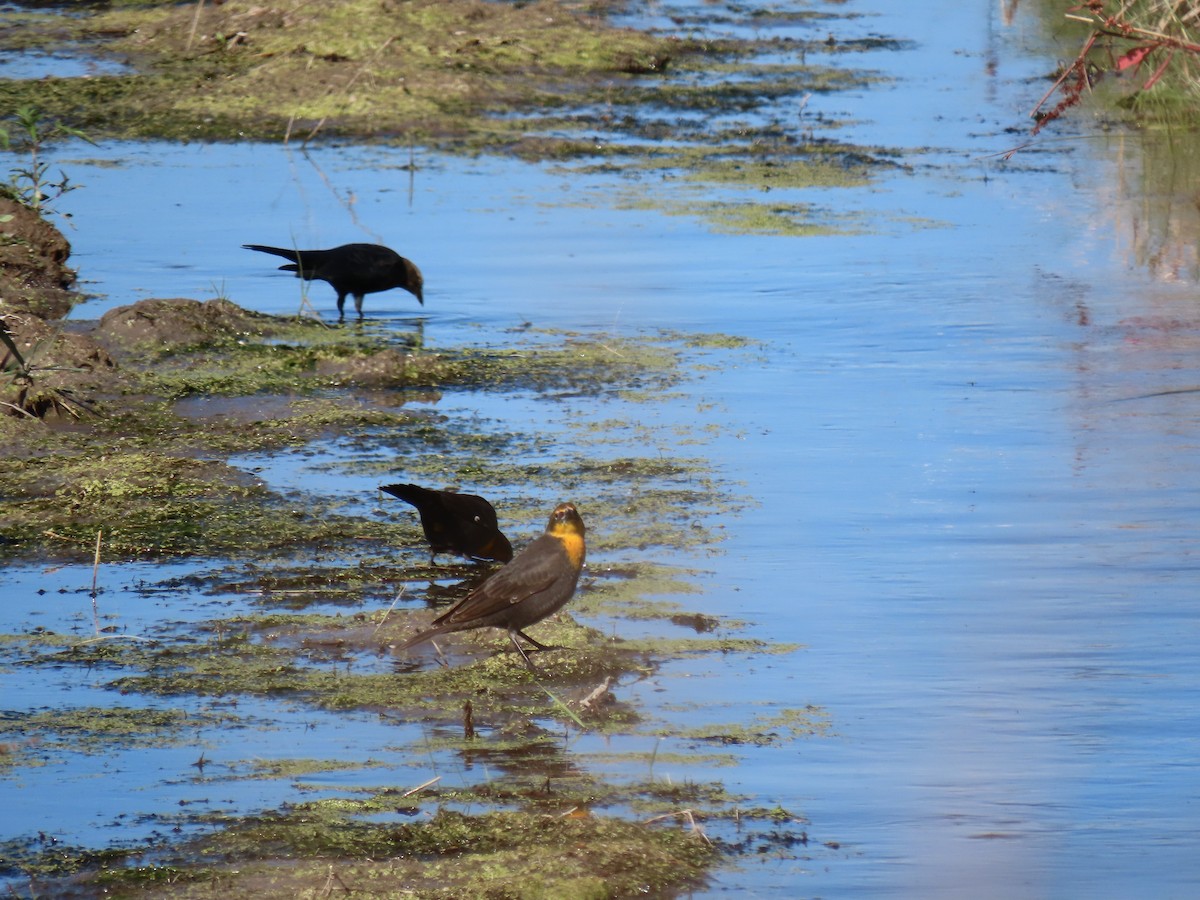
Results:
<point x="537" y="583"/>
<point x="455" y="523"/>
<point x="355" y="269"/>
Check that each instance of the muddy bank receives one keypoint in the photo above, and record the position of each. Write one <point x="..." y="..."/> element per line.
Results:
<point x="421" y="69"/>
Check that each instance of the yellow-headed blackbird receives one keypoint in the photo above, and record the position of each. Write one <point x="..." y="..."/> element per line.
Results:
<point x="455" y="523"/>
<point x="536" y="584"/>
<point x="355" y="269"/>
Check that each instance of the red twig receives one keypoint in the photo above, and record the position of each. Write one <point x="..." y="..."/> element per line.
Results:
<point x="1082" y="73"/>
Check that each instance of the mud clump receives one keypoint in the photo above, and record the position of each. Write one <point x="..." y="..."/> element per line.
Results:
<point x="389" y="366"/>
<point x="172" y="324"/>
<point x="34" y="276"/>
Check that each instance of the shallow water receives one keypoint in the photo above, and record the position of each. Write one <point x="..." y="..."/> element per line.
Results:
<point x="970" y="432"/>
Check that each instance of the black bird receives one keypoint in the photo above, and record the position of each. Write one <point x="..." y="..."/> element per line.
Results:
<point x="354" y="269"/>
<point x="536" y="584"/>
<point x="455" y="523"/>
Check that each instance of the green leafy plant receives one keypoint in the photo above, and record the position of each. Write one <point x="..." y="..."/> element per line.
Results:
<point x="31" y="183"/>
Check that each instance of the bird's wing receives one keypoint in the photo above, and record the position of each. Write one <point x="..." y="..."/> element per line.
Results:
<point x="537" y="567"/>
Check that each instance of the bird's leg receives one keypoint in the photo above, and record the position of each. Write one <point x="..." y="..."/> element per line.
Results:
<point x="358" y="299"/>
<point x="536" y="645"/>
<point x="442" y="661"/>
<point x="341" y="307"/>
<point x="512" y="636"/>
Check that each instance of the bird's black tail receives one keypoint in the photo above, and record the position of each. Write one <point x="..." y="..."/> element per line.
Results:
<point x="409" y="493"/>
<point x="293" y="255"/>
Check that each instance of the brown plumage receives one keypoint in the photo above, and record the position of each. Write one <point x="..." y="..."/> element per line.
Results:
<point x="537" y="583"/>
<point x="355" y="269"/>
<point x="455" y="523"/>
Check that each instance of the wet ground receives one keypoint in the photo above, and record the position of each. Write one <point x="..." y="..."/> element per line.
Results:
<point x="961" y="446"/>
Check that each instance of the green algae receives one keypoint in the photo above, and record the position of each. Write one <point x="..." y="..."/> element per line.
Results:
<point x="281" y="655"/>
<point x="495" y="855"/>
<point x="763" y="731"/>
<point x="575" y="362"/>
<point x="366" y="843"/>
<point x="136" y="475"/>
<point x="796" y="220"/>
<point x="569" y="788"/>
<point x="452" y="854"/>
<point x="300" y="768"/>
<point x="168" y="506"/>
<point x="100" y="729"/>
<point x="656" y="757"/>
